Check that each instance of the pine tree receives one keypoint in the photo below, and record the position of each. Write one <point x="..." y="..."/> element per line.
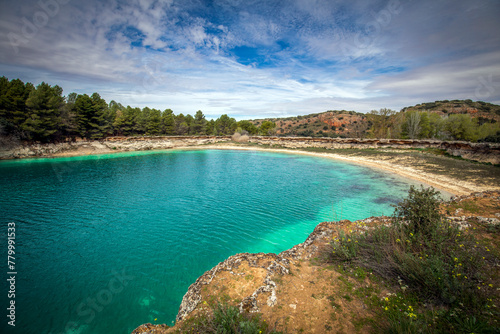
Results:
<point x="168" y="122"/>
<point x="44" y="116"/>
<point x="154" y="122"/>
<point x="199" y="124"/>
<point x="13" y="110"/>
<point x="91" y="116"/>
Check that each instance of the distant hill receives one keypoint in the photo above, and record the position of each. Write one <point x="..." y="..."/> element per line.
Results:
<point x="332" y="123"/>
<point x="475" y="109"/>
<point x="349" y="124"/>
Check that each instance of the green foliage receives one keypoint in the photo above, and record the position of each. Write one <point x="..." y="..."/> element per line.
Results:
<point x="226" y="319"/>
<point x="181" y="125"/>
<point x="43" y="114"/>
<point x="43" y="121"/>
<point x="91" y="115"/>
<point x="435" y="125"/>
<point x="13" y="107"/>
<point x="345" y="248"/>
<point x="248" y="127"/>
<point x="432" y="261"/>
<point x="199" y="124"/>
<point x="461" y="127"/>
<point x="153" y="125"/>
<point x="125" y="121"/>
<point x="168" y="122"/>
<point x="267" y="128"/>
<point x="420" y="211"/>
<point x="225" y="125"/>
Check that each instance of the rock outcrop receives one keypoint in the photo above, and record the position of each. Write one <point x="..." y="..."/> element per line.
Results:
<point x="254" y="278"/>
<point x="289" y="285"/>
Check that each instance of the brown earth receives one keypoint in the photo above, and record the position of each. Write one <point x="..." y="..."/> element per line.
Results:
<point x="297" y="291"/>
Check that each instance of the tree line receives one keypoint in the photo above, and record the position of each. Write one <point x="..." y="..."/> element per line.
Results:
<point x="416" y="124"/>
<point x="43" y="114"/>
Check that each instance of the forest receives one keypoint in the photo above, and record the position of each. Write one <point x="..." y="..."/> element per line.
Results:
<point x="43" y="114"/>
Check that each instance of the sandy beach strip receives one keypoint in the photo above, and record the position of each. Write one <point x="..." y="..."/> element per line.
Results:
<point x="448" y="184"/>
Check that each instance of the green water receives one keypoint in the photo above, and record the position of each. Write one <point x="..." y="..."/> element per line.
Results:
<point x="106" y="243"/>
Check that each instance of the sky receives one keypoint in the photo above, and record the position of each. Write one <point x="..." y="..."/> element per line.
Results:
<point x="254" y="59"/>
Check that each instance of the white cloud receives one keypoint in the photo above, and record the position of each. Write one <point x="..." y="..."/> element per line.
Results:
<point x="178" y="54"/>
<point x="453" y="79"/>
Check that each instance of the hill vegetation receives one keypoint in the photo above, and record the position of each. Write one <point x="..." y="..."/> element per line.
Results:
<point x="444" y="120"/>
<point x="43" y="114"/>
<point x="332" y="123"/>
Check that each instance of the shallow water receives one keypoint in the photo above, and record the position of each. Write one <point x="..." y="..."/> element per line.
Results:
<point x="105" y="243"/>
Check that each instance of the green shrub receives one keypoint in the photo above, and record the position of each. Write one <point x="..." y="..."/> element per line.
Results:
<point x="420" y="210"/>
<point x="227" y="319"/>
<point x="429" y="258"/>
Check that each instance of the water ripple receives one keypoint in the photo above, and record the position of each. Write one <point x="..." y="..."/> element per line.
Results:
<point x="161" y="220"/>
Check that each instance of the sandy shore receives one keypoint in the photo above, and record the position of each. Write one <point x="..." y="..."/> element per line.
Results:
<point x="401" y="167"/>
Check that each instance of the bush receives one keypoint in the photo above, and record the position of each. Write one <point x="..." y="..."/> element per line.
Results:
<point x="429" y="259"/>
<point x="420" y="210"/>
<point x="227" y="319"/>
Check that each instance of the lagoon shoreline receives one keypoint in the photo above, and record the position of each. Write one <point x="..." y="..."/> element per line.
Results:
<point x="443" y="173"/>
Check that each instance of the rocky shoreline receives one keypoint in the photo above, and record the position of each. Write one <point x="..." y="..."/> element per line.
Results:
<point x="481" y="152"/>
<point x="256" y="281"/>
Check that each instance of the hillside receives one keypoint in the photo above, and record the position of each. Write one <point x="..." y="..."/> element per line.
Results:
<point x="475" y="109"/>
<point x="332" y="123"/>
<point x="352" y="124"/>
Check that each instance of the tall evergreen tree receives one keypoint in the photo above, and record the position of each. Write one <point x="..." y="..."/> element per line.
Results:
<point x="199" y="124"/>
<point x="181" y="125"/>
<point x="13" y="110"/>
<point x="225" y="125"/>
<point x="68" y="117"/>
<point x="142" y="120"/>
<point x="44" y="116"/>
<point x="154" y="122"/>
<point x="125" y="122"/>
<point x="91" y="116"/>
<point x="101" y="117"/>
<point x="168" y="122"/>
<point x="211" y="128"/>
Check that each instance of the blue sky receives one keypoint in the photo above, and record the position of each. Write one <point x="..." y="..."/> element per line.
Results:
<point x="253" y="59"/>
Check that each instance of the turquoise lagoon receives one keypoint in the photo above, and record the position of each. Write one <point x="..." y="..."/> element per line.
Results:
<point x="105" y="243"/>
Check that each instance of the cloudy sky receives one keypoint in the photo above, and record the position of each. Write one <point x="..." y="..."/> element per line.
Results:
<point x="253" y="58"/>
